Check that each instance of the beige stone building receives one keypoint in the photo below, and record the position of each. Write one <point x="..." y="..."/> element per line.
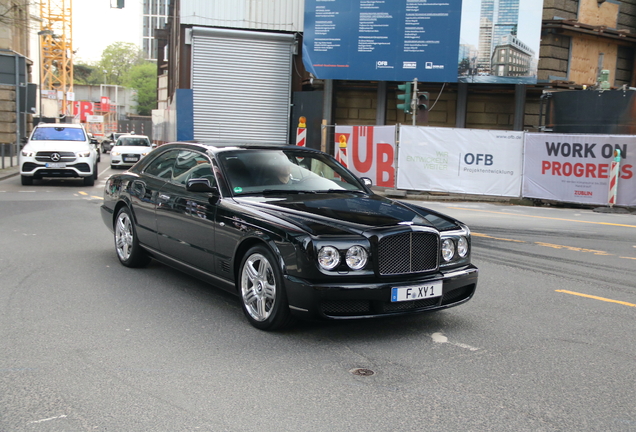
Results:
<point x="16" y="30"/>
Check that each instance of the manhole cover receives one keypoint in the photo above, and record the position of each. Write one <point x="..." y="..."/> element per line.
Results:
<point x="362" y="372"/>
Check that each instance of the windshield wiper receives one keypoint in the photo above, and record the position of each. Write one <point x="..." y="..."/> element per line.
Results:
<point x="286" y="191"/>
<point x="342" y="191"/>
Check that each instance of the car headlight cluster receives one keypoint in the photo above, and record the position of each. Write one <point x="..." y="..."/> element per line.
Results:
<point x="83" y="154"/>
<point x="114" y="153"/>
<point x="28" y="153"/>
<point x="356" y="257"/>
<point x="452" y="247"/>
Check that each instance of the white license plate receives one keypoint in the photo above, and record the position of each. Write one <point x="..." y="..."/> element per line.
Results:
<point x="56" y="165"/>
<point x="131" y="159"/>
<point x="417" y="292"/>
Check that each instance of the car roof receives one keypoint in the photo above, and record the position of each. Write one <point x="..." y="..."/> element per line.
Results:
<point x="129" y="135"/>
<point x="62" y="125"/>
<point x="222" y="146"/>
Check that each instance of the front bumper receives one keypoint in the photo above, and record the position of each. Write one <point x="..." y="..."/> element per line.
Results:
<point x="39" y="170"/>
<point x="122" y="160"/>
<point x="353" y="301"/>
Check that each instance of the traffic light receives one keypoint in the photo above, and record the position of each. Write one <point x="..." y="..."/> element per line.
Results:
<point x="406" y="97"/>
<point x="422" y="101"/>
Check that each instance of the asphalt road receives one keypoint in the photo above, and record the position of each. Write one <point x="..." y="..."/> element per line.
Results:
<point x="546" y="344"/>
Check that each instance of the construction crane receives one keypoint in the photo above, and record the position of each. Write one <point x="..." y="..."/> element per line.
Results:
<point x="56" y="49"/>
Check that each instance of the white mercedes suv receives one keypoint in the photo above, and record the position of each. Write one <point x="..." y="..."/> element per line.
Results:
<point x="59" y="150"/>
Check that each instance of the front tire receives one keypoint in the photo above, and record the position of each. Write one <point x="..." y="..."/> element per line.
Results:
<point x="90" y="180"/>
<point x="127" y="245"/>
<point x="262" y="291"/>
<point x="26" y="180"/>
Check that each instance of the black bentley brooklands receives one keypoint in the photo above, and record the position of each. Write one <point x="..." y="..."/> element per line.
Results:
<point x="289" y="230"/>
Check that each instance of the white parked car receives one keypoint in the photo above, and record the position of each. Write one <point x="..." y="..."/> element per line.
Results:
<point x="58" y="150"/>
<point x="129" y="149"/>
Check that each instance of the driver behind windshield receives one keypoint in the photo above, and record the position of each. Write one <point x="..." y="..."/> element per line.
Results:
<point x="277" y="171"/>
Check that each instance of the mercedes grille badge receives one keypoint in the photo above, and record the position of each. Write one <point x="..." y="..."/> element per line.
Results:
<point x="55" y="157"/>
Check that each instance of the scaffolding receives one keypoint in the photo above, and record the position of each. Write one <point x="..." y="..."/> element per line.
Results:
<point x="56" y="50"/>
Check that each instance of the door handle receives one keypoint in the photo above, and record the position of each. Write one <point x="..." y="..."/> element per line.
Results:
<point x="164" y="198"/>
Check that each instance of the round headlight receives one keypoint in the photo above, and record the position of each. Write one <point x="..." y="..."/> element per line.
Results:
<point x="448" y="249"/>
<point x="462" y="246"/>
<point x="356" y="257"/>
<point x="329" y="257"/>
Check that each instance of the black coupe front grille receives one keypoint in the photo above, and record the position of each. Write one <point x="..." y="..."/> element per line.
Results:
<point x="409" y="252"/>
<point x="410" y="305"/>
<point x="353" y="308"/>
<point x="346" y="307"/>
<point x="458" y="294"/>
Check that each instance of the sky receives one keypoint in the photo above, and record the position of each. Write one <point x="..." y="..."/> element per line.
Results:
<point x="96" y="25"/>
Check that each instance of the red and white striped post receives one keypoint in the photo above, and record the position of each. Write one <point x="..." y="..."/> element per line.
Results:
<point x="614" y="175"/>
<point x="301" y="132"/>
<point x="342" y="150"/>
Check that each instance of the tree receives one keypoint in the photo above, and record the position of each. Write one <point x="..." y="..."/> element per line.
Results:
<point x="87" y="74"/>
<point x="117" y="60"/>
<point x="143" y="78"/>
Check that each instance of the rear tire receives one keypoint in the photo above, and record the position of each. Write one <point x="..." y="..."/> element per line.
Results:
<point x="26" y="181"/>
<point x="129" y="252"/>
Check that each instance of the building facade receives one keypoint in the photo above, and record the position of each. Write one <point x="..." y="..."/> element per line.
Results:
<point x="498" y="20"/>
<point x="512" y="58"/>
<point x="154" y="16"/>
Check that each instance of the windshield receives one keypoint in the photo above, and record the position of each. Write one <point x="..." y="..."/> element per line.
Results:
<point x="58" y="134"/>
<point x="134" y="142"/>
<point x="265" y="171"/>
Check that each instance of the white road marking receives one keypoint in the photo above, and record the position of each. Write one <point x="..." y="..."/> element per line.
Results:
<point x="47" y="419"/>
<point x="440" y="338"/>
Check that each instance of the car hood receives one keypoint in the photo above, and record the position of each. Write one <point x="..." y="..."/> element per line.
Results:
<point x="70" y="146"/>
<point x="342" y="213"/>
<point x="132" y="149"/>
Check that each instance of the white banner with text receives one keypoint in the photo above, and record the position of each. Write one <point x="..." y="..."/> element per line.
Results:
<point x="576" y="168"/>
<point x="470" y="161"/>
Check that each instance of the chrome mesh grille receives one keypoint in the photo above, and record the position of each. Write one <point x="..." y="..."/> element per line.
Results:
<point x="409" y="252"/>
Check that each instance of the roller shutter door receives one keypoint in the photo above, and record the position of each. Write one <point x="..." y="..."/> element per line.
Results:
<point x="241" y="82"/>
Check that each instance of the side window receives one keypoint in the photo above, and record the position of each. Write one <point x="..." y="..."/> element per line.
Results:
<point x="163" y="165"/>
<point x="190" y="165"/>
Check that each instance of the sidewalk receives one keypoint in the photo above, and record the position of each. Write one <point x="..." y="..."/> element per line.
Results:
<point x="457" y="197"/>
<point x="10" y="167"/>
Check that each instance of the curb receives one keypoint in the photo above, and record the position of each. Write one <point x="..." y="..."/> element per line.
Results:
<point x="9" y="172"/>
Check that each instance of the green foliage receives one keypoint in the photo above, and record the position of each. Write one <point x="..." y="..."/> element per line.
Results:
<point x="86" y="74"/>
<point x="123" y="64"/>
<point x="143" y="78"/>
<point x="464" y="65"/>
<point x="117" y="60"/>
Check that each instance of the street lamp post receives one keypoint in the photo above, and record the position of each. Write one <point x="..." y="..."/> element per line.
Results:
<point x="40" y="34"/>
